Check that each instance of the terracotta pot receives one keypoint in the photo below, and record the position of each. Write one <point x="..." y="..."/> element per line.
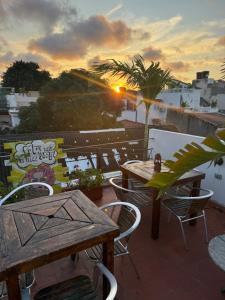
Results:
<point x="93" y="194"/>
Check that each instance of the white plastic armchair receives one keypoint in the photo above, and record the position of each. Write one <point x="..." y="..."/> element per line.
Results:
<point x="50" y="189"/>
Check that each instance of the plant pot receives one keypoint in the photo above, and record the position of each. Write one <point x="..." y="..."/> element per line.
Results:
<point x="93" y="194"/>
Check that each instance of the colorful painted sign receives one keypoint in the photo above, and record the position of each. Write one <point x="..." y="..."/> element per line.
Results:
<point x="36" y="161"/>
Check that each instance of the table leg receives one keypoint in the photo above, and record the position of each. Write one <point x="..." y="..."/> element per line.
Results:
<point x="124" y="180"/>
<point x="13" y="287"/>
<point x="108" y="261"/>
<point x="196" y="186"/>
<point x="155" y="215"/>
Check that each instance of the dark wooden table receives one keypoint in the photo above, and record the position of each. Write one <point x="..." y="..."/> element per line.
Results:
<point x="144" y="171"/>
<point x="38" y="231"/>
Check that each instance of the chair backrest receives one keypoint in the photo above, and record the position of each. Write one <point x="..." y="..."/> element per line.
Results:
<point x="132" y="161"/>
<point x="128" y="220"/>
<point x="32" y="184"/>
<point x="193" y="204"/>
<point x="112" y="280"/>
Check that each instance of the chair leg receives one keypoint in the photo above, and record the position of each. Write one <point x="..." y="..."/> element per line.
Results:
<point x="26" y="294"/>
<point x="206" y="230"/>
<point x="75" y="258"/>
<point x="134" y="266"/>
<point x="169" y="217"/>
<point x="183" y="234"/>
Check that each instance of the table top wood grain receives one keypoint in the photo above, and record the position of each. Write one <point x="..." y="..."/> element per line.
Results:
<point x="145" y="170"/>
<point x="38" y="231"/>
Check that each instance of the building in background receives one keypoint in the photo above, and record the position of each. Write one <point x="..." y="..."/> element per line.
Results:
<point x="212" y="91"/>
<point x="10" y="103"/>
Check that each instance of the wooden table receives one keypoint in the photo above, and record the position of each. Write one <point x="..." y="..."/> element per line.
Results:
<point x="144" y="171"/>
<point x="217" y="251"/>
<point x="38" y="231"/>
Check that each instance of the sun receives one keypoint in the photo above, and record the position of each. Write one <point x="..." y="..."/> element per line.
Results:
<point x="117" y="89"/>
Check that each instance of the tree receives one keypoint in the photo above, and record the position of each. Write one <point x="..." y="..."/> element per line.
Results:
<point x="223" y="70"/>
<point x="192" y="156"/>
<point x="25" y="76"/>
<point x="76" y="100"/>
<point x="150" y="80"/>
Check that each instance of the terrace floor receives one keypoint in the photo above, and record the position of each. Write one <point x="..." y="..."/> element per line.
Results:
<point x="167" y="270"/>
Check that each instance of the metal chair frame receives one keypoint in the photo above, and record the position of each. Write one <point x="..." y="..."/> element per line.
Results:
<point x="110" y="277"/>
<point x="120" y="242"/>
<point x="25" y="290"/>
<point x="2" y="200"/>
<point x="193" y="205"/>
<point x="142" y="193"/>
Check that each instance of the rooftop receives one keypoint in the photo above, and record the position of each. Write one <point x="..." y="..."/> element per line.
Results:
<point x="166" y="269"/>
<point x="213" y="118"/>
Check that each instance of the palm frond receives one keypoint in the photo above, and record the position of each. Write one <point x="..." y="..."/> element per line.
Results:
<point x="192" y="156"/>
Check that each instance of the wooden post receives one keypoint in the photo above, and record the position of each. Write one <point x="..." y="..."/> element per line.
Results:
<point x="156" y="203"/>
<point x="13" y="287"/>
<point x="195" y="192"/>
<point x="124" y="180"/>
<point x="98" y="159"/>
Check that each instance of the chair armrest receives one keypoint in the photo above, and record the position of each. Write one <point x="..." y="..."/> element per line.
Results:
<point x="132" y="207"/>
<point x="111" y="180"/>
<point x="111" y="279"/>
<point x="2" y="200"/>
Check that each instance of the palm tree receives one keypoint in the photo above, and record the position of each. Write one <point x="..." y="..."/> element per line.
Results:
<point x="193" y="155"/>
<point x="223" y="70"/>
<point x="150" y="80"/>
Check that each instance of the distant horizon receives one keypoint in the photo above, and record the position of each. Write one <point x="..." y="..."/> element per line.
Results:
<point x="61" y="35"/>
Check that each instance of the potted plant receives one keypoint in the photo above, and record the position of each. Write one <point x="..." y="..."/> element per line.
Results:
<point x="89" y="181"/>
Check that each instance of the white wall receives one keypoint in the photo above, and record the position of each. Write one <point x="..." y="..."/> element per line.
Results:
<point x="174" y="97"/>
<point x="220" y="101"/>
<point x="156" y="112"/>
<point x="15" y="101"/>
<point x="166" y="143"/>
<point x="18" y="100"/>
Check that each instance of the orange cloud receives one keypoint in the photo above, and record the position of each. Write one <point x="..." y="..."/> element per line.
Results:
<point x="75" y="41"/>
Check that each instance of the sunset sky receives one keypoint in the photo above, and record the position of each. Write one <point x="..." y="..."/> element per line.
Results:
<point x="185" y="36"/>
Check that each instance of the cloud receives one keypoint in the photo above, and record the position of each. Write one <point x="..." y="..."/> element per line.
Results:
<point x="95" y="61"/>
<point x="44" y="12"/>
<point x="178" y="66"/>
<point x="151" y="53"/>
<point x="59" y="46"/>
<point x="114" y="9"/>
<point x="98" y="30"/>
<point x="9" y="57"/>
<point x="2" y="11"/>
<point x="221" y="41"/>
<point x="3" y="44"/>
<point x="74" y="42"/>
